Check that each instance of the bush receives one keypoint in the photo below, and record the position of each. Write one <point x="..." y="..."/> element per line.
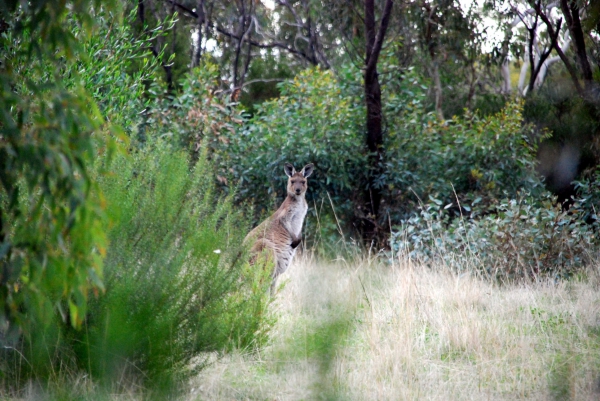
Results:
<point x="177" y="284"/>
<point x="588" y="191"/>
<point x="313" y="121"/>
<point x="199" y="116"/>
<point x="51" y="241"/>
<point x="319" y="118"/>
<point x="523" y="237"/>
<point x="116" y="67"/>
<point x="469" y="187"/>
<point x="461" y="160"/>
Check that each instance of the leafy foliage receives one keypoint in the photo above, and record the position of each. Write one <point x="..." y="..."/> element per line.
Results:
<point x="174" y="283"/>
<point x="523" y="237"/>
<point x="199" y="116"/>
<point x="463" y="160"/>
<point x="176" y="271"/>
<point x="116" y="68"/>
<point x="177" y="284"/>
<point x="313" y="121"/>
<point x="51" y="242"/>
<point x="475" y="191"/>
<point x="588" y="192"/>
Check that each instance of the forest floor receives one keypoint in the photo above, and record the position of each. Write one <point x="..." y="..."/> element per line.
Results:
<point x="366" y="331"/>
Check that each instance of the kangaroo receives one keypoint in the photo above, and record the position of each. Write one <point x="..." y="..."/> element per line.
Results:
<point x="281" y="233"/>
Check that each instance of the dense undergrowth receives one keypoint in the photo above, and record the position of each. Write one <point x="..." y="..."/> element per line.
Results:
<point x="170" y="283"/>
<point x="177" y="284"/>
<point x="463" y="186"/>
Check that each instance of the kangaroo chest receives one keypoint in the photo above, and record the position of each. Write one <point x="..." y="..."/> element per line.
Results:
<point x="293" y="216"/>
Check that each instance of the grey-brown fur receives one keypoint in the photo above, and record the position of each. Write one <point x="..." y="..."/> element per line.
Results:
<point x="281" y="233"/>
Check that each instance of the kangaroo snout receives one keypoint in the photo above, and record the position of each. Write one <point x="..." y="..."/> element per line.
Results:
<point x="297" y="179"/>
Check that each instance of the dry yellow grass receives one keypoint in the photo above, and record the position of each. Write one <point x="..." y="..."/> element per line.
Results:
<point x="366" y="331"/>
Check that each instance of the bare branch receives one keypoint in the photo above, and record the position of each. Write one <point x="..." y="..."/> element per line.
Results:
<point x="532" y="38"/>
<point x="543" y="57"/>
<point x="559" y="51"/>
<point x="570" y="10"/>
<point x="187" y="10"/>
<point x="376" y="41"/>
<point x="275" y="44"/>
<point x="246" y="19"/>
<point x="261" y="80"/>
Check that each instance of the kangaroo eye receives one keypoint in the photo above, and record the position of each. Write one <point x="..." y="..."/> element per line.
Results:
<point x="303" y="182"/>
<point x="293" y="182"/>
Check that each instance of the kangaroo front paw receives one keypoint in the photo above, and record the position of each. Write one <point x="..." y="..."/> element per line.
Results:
<point x="296" y="242"/>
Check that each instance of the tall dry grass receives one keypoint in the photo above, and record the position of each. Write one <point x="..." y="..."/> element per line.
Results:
<point x="367" y="331"/>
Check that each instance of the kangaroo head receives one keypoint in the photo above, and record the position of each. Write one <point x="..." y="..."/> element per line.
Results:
<point x="297" y="179"/>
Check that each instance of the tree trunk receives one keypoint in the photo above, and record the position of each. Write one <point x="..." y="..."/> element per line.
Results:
<point x="505" y="72"/>
<point x="437" y="90"/>
<point x="197" y="47"/>
<point x="244" y="34"/>
<point x="554" y="40"/>
<point x="570" y="10"/>
<point x="431" y="41"/>
<point x="374" y="43"/>
<point x="505" y="65"/>
<point x="375" y="146"/>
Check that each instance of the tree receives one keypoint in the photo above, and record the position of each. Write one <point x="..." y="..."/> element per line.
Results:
<point x="51" y="240"/>
<point x="239" y="32"/>
<point x="536" y="49"/>
<point x="557" y="80"/>
<point x="449" y="39"/>
<point x="374" y="38"/>
<point x="302" y="26"/>
<point x="571" y="13"/>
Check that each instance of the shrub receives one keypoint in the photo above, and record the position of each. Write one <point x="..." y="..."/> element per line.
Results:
<point x="313" y="121"/>
<point x="176" y="275"/>
<point x="51" y="241"/>
<point x="115" y="67"/>
<point x="201" y="115"/>
<point x="468" y="187"/>
<point x="319" y="118"/>
<point x="523" y="237"/>
<point x="177" y="284"/>
<point x="588" y="190"/>
<point x="464" y="159"/>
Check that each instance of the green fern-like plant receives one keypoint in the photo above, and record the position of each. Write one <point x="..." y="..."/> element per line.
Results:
<point x="178" y="286"/>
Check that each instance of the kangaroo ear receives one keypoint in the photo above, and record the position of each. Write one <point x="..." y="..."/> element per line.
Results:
<point x="289" y="169"/>
<point x="307" y="170"/>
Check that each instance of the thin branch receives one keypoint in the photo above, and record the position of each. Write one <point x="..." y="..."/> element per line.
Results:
<point x="187" y="10"/>
<point x="369" y="29"/>
<point x="543" y="58"/>
<point x="559" y="51"/>
<point x="532" y="36"/>
<point x="254" y="43"/>
<point x="254" y="81"/>
<point x="571" y="13"/>
<point x="377" y="41"/>
<point x="271" y="45"/>
<point x="249" y="51"/>
<point x="240" y="43"/>
<point x="385" y="22"/>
